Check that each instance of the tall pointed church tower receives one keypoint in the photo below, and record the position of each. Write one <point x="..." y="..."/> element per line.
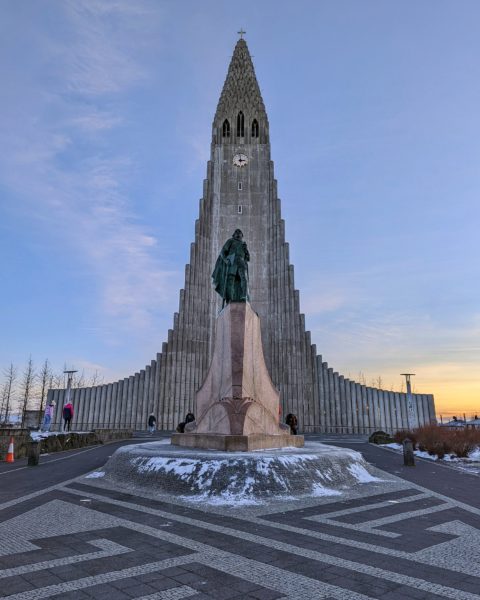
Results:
<point x="240" y="191"/>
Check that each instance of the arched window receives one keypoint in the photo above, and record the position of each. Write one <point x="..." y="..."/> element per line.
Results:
<point x="255" y="128"/>
<point x="226" y="128"/>
<point x="240" y="125"/>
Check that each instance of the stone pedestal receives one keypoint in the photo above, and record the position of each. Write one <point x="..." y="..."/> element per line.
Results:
<point x="237" y="399"/>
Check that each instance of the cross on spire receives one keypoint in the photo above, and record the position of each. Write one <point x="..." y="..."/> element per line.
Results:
<point x="241" y="33"/>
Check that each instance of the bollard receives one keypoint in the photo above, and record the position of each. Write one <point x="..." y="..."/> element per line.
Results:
<point x="33" y="453"/>
<point x="408" y="455"/>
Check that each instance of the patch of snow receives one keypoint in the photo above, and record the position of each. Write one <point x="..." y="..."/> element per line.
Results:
<point x="361" y="474"/>
<point x="475" y="455"/>
<point x="95" y="475"/>
<point x="450" y="458"/>
<point x="183" y="467"/>
<point x="392" y="446"/>
<point x="225" y="499"/>
<point x="292" y="460"/>
<point x="318" y="490"/>
<point x="422" y="454"/>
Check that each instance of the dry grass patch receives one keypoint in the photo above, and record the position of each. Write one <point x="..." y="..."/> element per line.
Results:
<point x="441" y="440"/>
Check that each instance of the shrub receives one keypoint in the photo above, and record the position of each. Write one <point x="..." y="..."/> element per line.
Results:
<point x="380" y="437"/>
<point x="441" y="440"/>
<point x="403" y="434"/>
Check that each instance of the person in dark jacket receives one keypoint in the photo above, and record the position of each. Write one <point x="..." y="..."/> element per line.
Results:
<point x="152" y="422"/>
<point x="67" y="416"/>
<point x="292" y="421"/>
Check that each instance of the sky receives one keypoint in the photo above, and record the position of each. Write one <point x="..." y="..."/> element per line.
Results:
<point x="106" y="110"/>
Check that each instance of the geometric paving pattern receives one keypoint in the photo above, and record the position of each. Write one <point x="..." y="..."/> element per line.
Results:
<point x="390" y="540"/>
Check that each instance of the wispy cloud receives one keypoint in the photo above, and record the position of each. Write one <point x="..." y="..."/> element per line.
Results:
<point x="60" y="162"/>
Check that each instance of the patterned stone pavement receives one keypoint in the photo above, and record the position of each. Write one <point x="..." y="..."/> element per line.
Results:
<point x="392" y="539"/>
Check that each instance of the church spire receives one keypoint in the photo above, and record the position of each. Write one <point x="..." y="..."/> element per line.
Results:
<point x="241" y="91"/>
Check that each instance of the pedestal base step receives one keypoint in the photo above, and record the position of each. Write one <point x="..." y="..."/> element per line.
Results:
<point x="237" y="443"/>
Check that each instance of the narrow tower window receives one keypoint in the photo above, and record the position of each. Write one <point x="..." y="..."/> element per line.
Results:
<point x="240" y="209"/>
<point x="255" y="128"/>
<point x="239" y="186"/>
<point x="226" y="128"/>
<point x="240" y="125"/>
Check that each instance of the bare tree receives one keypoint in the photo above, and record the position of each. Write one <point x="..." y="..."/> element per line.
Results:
<point x="26" y="386"/>
<point x="44" y="380"/>
<point x="56" y="380"/>
<point x="379" y="382"/>
<point x="79" y="380"/>
<point x="8" y="390"/>
<point x="361" y="378"/>
<point x="96" y="379"/>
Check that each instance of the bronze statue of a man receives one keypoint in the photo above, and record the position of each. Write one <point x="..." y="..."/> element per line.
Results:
<point x="230" y="276"/>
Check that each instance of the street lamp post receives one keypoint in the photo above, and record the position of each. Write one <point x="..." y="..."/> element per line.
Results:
<point x="411" y="413"/>
<point x="69" y="384"/>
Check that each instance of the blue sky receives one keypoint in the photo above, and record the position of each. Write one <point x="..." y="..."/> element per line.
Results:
<point x="105" y="120"/>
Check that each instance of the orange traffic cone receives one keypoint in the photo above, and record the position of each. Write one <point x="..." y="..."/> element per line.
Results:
<point x="10" y="454"/>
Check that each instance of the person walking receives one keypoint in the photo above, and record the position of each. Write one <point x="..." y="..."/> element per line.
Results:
<point x="67" y="416"/>
<point x="48" y="416"/>
<point x="152" y="421"/>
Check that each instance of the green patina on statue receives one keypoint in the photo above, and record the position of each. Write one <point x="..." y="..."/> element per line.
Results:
<point x="230" y="276"/>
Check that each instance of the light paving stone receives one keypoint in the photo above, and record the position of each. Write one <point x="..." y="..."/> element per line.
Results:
<point x="218" y="556"/>
<point x="108" y="548"/>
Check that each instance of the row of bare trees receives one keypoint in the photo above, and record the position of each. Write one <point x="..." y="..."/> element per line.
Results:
<point x="26" y="389"/>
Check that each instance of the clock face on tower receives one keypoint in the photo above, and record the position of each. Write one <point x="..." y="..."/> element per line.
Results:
<point x="240" y="160"/>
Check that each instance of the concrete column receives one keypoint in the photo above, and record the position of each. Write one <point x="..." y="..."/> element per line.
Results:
<point x="79" y="408"/>
<point x="331" y="400"/>
<point x="343" y="405"/>
<point x="348" y="402"/>
<point x="91" y="407"/>
<point x="431" y="409"/>
<point x="354" y="407"/>
<point x="137" y="398"/>
<point x="113" y="405"/>
<point x="387" y="398"/>
<point x="162" y="387"/>
<point x="321" y="421"/>
<point x="58" y="409"/>
<point x="130" y="399"/>
<point x="404" y="409"/>
<point x="372" y="418"/>
<point x="381" y="410"/>
<point x="338" y="408"/>
<point x="141" y="412"/>
<point x="118" y="404"/>
<point x="86" y="409"/>
<point x="168" y="382"/>
<point x="108" y="406"/>
<point x="99" y="407"/>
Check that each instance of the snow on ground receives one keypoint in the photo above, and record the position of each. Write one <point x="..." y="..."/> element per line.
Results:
<point x="318" y="490"/>
<point x="474" y="456"/>
<point x="95" y="475"/>
<point x="41" y="435"/>
<point x="361" y="474"/>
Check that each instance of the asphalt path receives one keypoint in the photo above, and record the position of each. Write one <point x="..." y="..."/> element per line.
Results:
<point x="436" y="477"/>
<point x="18" y="480"/>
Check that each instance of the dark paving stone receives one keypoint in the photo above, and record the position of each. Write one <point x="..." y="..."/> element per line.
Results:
<point x="76" y="595"/>
<point x="388" y="511"/>
<point x="106" y="591"/>
<point x="15" y="585"/>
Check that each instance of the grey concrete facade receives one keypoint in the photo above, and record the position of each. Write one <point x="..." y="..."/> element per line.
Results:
<point x="243" y="195"/>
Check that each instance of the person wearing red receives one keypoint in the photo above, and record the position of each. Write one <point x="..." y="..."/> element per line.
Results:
<point x="67" y="416"/>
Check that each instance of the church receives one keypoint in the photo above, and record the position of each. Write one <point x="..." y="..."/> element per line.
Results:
<point x="240" y="192"/>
